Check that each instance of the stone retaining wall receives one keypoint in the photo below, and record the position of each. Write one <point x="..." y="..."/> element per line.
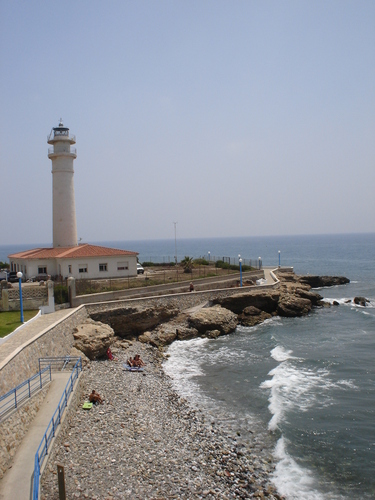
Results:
<point x="181" y="301"/>
<point x="57" y="340"/>
<point x="14" y="427"/>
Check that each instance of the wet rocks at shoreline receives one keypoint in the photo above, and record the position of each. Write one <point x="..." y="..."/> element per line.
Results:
<point x="147" y="442"/>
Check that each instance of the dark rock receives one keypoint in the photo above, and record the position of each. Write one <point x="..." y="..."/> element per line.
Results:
<point x="335" y="303"/>
<point x="248" y="320"/>
<point x="320" y="281"/>
<point x="251" y="311"/>
<point x="314" y="297"/>
<point x="261" y="299"/>
<point x="361" y="301"/>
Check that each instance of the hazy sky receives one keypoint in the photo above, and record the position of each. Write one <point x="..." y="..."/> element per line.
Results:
<point x="233" y="118"/>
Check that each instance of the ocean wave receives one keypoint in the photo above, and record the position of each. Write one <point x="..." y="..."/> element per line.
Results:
<point x="281" y="354"/>
<point x="349" y="301"/>
<point x="294" y="481"/>
<point x="274" y="321"/>
<point x="293" y="387"/>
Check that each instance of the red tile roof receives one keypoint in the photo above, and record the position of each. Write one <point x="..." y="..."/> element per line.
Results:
<point x="78" y="252"/>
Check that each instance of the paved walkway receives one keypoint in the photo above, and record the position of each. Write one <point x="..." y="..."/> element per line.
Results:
<point x="29" y="330"/>
<point x="17" y="481"/>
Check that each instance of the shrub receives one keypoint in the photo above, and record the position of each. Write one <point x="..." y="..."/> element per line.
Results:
<point x="201" y="262"/>
<point x="225" y="265"/>
<point x="61" y="294"/>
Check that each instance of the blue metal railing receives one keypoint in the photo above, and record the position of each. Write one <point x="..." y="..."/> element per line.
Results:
<point x="54" y="423"/>
<point x="16" y="396"/>
<point x="59" y="363"/>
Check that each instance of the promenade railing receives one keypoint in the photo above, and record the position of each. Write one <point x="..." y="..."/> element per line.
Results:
<point x="42" y="451"/>
<point x="59" y="363"/>
<point x="13" y="398"/>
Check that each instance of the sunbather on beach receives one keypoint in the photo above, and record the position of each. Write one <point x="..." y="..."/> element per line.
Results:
<point x="138" y="361"/>
<point x="95" y="398"/>
<point x="131" y="362"/>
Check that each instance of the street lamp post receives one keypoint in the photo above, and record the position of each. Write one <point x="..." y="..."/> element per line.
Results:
<point x="259" y="261"/>
<point x="240" y="272"/>
<point x="19" y="276"/>
<point x="279" y="257"/>
<point x="209" y="256"/>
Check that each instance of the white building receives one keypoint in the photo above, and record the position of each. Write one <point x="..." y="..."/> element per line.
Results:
<point x="66" y="258"/>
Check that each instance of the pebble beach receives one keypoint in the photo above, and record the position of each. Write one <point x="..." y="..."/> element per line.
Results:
<point x="146" y="442"/>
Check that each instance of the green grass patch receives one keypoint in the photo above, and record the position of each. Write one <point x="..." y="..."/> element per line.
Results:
<point x="10" y="320"/>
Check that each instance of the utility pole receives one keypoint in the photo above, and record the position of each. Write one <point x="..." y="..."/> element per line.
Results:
<point x="175" y="242"/>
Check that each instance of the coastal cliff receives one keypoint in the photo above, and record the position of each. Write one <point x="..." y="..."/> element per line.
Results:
<point x="160" y="326"/>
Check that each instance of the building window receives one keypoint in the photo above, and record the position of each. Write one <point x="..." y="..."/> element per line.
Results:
<point x="122" y="266"/>
<point x="42" y="270"/>
<point x="103" y="267"/>
<point x="70" y="269"/>
<point x="82" y="268"/>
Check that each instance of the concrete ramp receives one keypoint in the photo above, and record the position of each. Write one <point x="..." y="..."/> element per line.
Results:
<point x="17" y="481"/>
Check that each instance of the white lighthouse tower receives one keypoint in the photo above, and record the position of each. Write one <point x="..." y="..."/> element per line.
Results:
<point x="64" y="210"/>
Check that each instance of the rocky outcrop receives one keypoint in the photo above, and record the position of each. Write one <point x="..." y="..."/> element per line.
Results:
<point x="252" y="316"/>
<point x="261" y="299"/>
<point x="361" y="301"/>
<point x="319" y="281"/>
<point x="293" y="306"/>
<point x="213" y="318"/>
<point x="160" y="326"/>
<point x="313" y="297"/>
<point x="93" y="338"/>
<point x="129" y="322"/>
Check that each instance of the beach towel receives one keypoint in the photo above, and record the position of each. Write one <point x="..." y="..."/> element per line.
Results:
<point x="132" y="368"/>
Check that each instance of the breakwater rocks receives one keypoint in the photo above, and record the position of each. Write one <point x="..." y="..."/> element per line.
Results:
<point x="147" y="442"/>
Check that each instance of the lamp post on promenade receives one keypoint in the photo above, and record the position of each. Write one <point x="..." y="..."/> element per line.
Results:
<point x="259" y="261"/>
<point x="209" y="256"/>
<point x="19" y="276"/>
<point x="279" y="258"/>
<point x="240" y="272"/>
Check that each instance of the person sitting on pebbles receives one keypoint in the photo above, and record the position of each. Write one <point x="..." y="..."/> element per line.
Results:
<point x="138" y="361"/>
<point x="95" y="398"/>
<point x="131" y="362"/>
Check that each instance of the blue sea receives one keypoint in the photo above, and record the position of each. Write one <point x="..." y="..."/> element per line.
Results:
<point x="304" y="388"/>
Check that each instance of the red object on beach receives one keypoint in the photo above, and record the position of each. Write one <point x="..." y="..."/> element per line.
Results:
<point x="109" y="354"/>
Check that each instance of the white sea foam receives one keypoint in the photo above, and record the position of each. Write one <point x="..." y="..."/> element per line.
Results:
<point x="274" y="321"/>
<point x="291" y="388"/>
<point x="294" y="387"/>
<point x="349" y="301"/>
<point x="292" y="480"/>
<point x="280" y="354"/>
